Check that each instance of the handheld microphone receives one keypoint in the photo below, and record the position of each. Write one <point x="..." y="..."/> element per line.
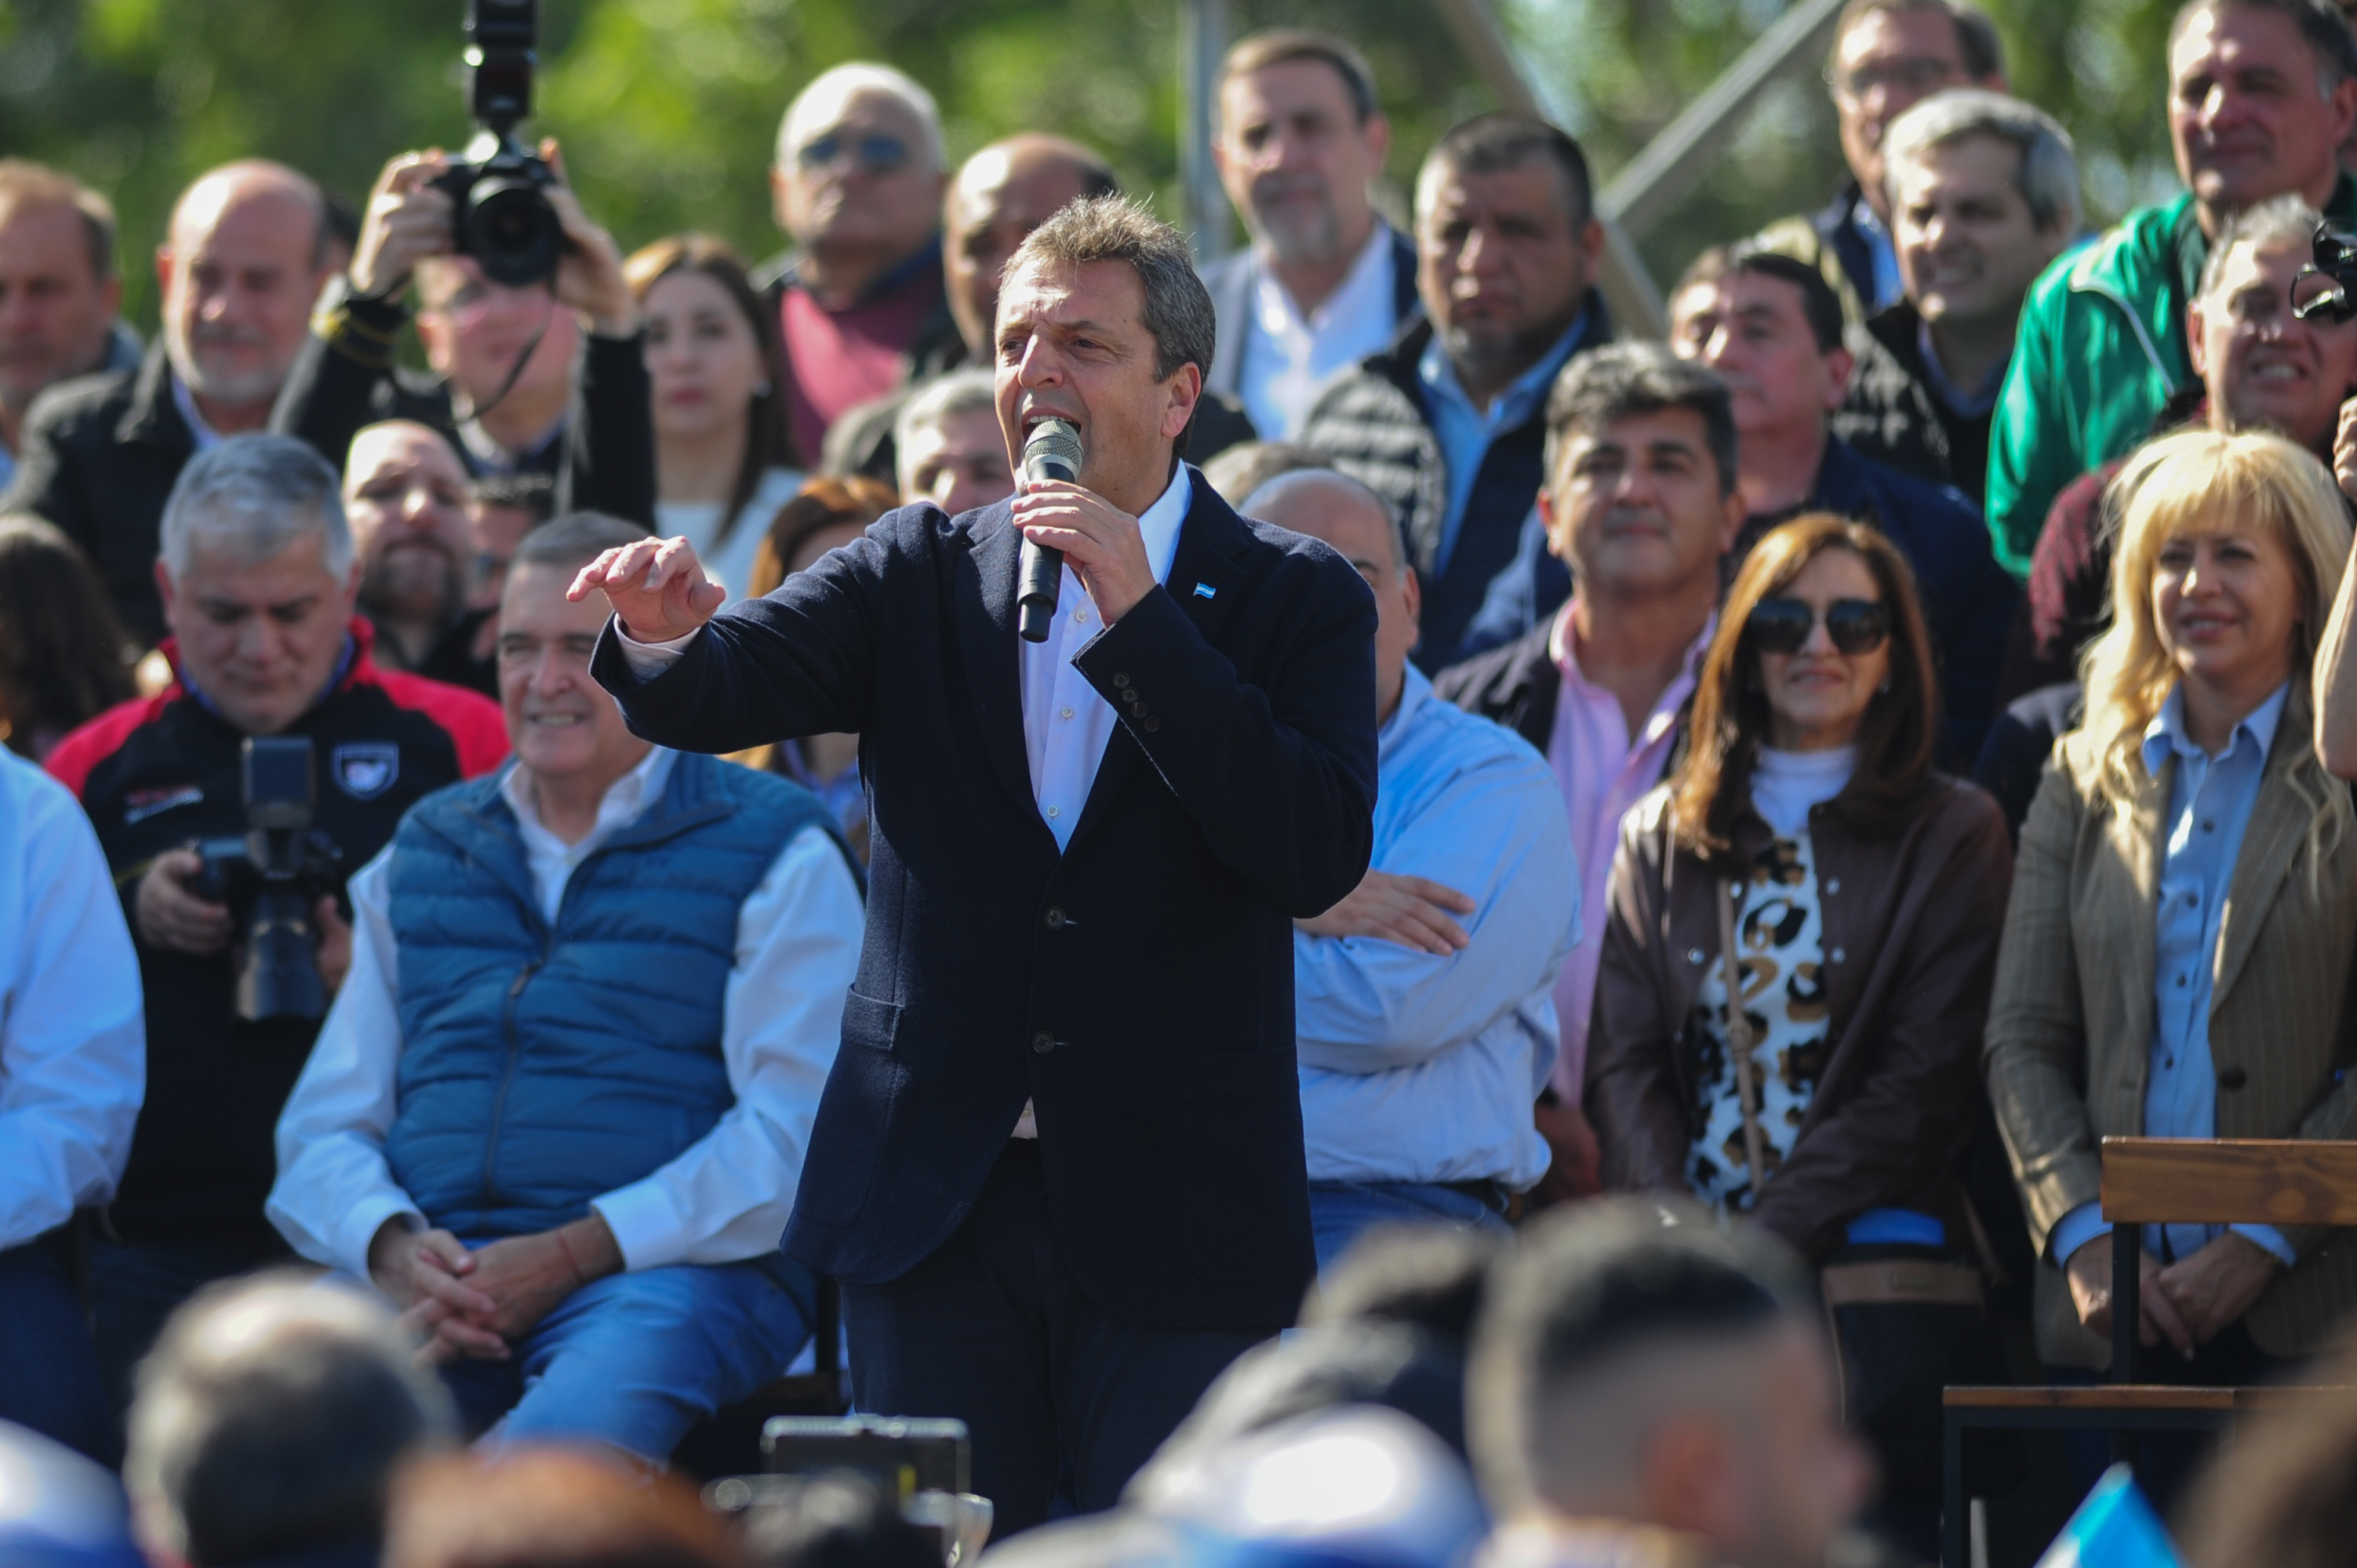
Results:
<point x="1053" y="452"/>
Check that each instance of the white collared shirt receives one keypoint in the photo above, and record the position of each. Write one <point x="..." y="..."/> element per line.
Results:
<point x="1066" y="724"/>
<point x="1287" y="356"/>
<point x="724" y="1197"/>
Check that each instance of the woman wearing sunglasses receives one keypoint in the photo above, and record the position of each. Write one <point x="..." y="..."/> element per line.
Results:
<point x="2177" y="951"/>
<point x="1863" y="894"/>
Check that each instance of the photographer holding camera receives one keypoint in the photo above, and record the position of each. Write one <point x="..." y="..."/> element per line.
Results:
<point x="501" y="311"/>
<point x="259" y="581"/>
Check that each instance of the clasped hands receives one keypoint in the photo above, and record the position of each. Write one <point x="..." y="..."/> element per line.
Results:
<point x="660" y="593"/>
<point x="474" y="1303"/>
<point x="2187" y="1303"/>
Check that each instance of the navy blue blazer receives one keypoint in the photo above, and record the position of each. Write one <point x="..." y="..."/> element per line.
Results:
<point x="1139" y="987"/>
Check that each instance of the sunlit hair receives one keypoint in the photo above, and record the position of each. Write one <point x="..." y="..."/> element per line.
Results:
<point x="822" y="503"/>
<point x="768" y="434"/>
<point x="2184" y="486"/>
<point x="1895" y="741"/>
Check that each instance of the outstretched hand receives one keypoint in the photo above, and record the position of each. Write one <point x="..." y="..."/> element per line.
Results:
<point x="656" y="586"/>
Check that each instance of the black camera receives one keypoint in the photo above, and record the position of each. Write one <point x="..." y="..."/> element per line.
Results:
<point x="2322" y="289"/>
<point x="272" y="879"/>
<point x="501" y="218"/>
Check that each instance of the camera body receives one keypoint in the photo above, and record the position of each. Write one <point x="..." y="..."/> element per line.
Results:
<point x="271" y="880"/>
<point x="2326" y="287"/>
<point x="499" y="216"/>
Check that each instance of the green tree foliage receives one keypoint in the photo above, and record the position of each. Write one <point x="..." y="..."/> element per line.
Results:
<point x="668" y="108"/>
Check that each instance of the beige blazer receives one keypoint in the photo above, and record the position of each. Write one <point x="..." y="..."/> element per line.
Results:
<point x="2073" y="1006"/>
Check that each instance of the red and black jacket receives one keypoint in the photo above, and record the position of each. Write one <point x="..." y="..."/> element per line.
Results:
<point x="159" y="772"/>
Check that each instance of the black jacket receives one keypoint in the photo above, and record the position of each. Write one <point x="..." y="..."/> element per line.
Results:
<point x="603" y="460"/>
<point x="1892" y="414"/>
<point x="1138" y="988"/>
<point x="1375" y="424"/>
<point x="158" y="772"/>
<point x="98" y="457"/>
<point x="1517" y="685"/>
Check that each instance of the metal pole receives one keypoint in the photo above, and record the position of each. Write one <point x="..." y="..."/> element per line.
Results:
<point x="1621" y="276"/>
<point x="1202" y="41"/>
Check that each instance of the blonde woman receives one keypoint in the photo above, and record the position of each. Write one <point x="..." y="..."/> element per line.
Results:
<point x="2177" y="949"/>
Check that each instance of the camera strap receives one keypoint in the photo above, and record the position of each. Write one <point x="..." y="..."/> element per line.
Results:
<point x="471" y="415"/>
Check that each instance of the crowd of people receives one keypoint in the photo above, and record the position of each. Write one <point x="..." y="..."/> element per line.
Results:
<point x="1824" y="773"/>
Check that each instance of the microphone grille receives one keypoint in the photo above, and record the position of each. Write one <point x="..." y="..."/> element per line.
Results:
<point x="1055" y="439"/>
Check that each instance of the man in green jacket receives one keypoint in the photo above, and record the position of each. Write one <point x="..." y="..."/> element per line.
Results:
<point x="2261" y="93"/>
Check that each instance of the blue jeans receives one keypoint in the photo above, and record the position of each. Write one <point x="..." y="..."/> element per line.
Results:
<point x="1341" y="1211"/>
<point x="635" y="1359"/>
<point x="48" y="1373"/>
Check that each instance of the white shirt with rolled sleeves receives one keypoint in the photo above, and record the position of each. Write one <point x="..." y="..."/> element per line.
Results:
<point x="73" y="1037"/>
<point x="1066" y="725"/>
<point x="723" y="1198"/>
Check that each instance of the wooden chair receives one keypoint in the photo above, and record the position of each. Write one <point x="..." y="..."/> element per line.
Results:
<point x="2162" y="1181"/>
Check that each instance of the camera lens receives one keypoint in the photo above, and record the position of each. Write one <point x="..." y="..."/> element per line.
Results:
<point x="511" y="232"/>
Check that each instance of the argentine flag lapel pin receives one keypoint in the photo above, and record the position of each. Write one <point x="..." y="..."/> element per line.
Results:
<point x="1205" y="590"/>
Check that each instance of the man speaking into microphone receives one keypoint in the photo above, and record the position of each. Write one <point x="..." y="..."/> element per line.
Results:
<point x="1058" y="1164"/>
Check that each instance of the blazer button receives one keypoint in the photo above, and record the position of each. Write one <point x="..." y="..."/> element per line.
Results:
<point x="1055" y="919"/>
<point x="1153" y="724"/>
<point x="2232" y="1078"/>
<point x="1042" y="1043"/>
<point x="1839" y="956"/>
<point x="1834" y="886"/>
<point x="1120" y="680"/>
<point x="1694" y="955"/>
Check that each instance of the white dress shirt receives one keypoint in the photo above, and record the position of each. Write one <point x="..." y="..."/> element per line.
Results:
<point x="1287" y="357"/>
<point x="73" y="1037"/>
<point x="727" y="1196"/>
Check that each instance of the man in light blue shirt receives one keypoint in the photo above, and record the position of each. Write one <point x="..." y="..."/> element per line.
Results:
<point x="2208" y="806"/>
<point x="1424" y="1003"/>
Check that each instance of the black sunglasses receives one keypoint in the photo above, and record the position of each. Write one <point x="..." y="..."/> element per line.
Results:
<point x="877" y="154"/>
<point x="1781" y="626"/>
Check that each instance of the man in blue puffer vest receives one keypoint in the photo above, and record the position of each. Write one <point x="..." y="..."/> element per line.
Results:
<point x="559" y="1109"/>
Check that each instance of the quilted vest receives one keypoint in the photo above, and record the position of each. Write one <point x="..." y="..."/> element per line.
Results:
<point x="542" y="1067"/>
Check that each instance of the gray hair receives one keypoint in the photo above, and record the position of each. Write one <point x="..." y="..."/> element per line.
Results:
<point x="1117" y="229"/>
<point x="253" y="496"/>
<point x="2048" y="172"/>
<point x="2279" y="221"/>
<point x="572" y="542"/>
<point x="865" y="76"/>
<point x="973" y="390"/>
<point x="270" y="1417"/>
<point x="1617" y="380"/>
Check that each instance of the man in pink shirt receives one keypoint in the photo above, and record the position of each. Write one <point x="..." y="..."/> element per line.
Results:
<point x="857" y="185"/>
<point x="1641" y="502"/>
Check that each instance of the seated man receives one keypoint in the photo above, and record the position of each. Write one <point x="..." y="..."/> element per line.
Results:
<point x="1646" y="1390"/>
<point x="73" y="1061"/>
<point x="406" y="493"/>
<point x="1771" y="327"/>
<point x="572" y="1180"/>
<point x="547" y="405"/>
<point x="1423" y="1008"/>
<point x="1984" y="192"/>
<point x="268" y="1426"/>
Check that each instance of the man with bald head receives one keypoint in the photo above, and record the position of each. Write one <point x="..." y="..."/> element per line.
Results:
<point x="999" y="195"/>
<point x="248" y="249"/>
<point x="858" y="186"/>
<point x="1424" y="1003"/>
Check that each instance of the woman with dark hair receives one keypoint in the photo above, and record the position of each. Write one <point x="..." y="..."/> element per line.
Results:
<point x="1861" y="895"/>
<point x="827" y="514"/>
<point x="725" y="459"/>
<point x="61" y="650"/>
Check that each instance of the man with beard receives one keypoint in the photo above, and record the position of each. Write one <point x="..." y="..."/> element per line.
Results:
<point x="1327" y="282"/>
<point x="1448" y="424"/>
<point x="405" y="495"/>
<point x="247" y="251"/>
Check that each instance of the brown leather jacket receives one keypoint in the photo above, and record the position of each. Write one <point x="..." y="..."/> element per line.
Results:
<point x="1912" y="917"/>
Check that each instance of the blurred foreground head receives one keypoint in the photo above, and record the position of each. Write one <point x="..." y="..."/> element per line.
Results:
<point x="2285" y="1491"/>
<point x="268" y="1422"/>
<point x="549" y="1508"/>
<point x="1634" y="1366"/>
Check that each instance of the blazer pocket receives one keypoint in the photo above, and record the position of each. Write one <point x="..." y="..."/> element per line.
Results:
<point x="1242" y="1177"/>
<point x="855" y="1115"/>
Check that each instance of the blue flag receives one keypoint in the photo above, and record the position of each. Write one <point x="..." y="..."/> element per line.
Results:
<point x="2114" y="1528"/>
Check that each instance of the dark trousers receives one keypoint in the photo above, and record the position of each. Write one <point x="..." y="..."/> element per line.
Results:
<point x="48" y="1373"/>
<point x="992" y="1329"/>
<point x="2167" y="1462"/>
<point x="135" y="1286"/>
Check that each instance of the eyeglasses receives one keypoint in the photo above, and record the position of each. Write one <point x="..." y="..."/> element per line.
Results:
<point x="1781" y="626"/>
<point x="876" y="153"/>
<point x="1917" y="76"/>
